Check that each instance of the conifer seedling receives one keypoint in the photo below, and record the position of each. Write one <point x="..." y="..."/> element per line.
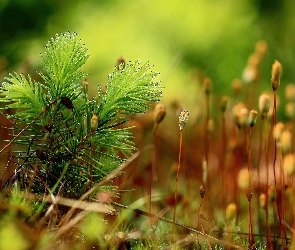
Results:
<point x="62" y="140"/>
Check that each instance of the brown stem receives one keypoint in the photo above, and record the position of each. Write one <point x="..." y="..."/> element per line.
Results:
<point x="267" y="138"/>
<point x="283" y="202"/>
<point x="223" y="159"/>
<point x="176" y="183"/>
<point x="199" y="214"/>
<point x="258" y="175"/>
<point x="251" y="237"/>
<point x="90" y="167"/>
<point x="249" y="158"/>
<point x="250" y="225"/>
<point x="206" y="143"/>
<point x="153" y="175"/>
<point x="208" y="244"/>
<point x="274" y="165"/>
<point x="275" y="222"/>
<point x="291" y="207"/>
<point x="235" y="173"/>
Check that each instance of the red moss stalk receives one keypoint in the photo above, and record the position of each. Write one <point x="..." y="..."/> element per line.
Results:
<point x="223" y="106"/>
<point x="275" y="82"/>
<point x="183" y="119"/>
<point x="207" y="88"/>
<point x="252" y="121"/>
<point x="159" y="115"/>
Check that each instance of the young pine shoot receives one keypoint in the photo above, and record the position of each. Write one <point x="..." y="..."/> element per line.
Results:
<point x="60" y="137"/>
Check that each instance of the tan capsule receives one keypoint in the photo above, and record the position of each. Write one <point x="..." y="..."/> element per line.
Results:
<point x="231" y="212"/>
<point x="286" y="141"/>
<point x="276" y="73"/>
<point x="250" y="73"/>
<point x="264" y="105"/>
<point x="290" y="110"/>
<point x="94" y="122"/>
<point x="289" y="164"/>
<point x="223" y="103"/>
<point x="202" y="192"/>
<point x="278" y="129"/>
<point x="254" y="60"/>
<point x="261" y="47"/>
<point x="236" y="110"/>
<point x="249" y="194"/>
<point x="243" y="179"/>
<point x="207" y="84"/>
<point x="85" y="82"/>
<point x="243" y="118"/>
<point x="237" y="86"/>
<point x="120" y="62"/>
<point x="262" y="200"/>
<point x="159" y="112"/>
<point x="183" y="119"/>
<point x="290" y="92"/>
<point x="252" y="117"/>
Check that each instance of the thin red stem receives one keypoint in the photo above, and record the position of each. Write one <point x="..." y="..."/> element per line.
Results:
<point x="274" y="165"/>
<point x="251" y="237"/>
<point x="199" y="214"/>
<point x="283" y="202"/>
<point x="176" y="183"/>
<point x="91" y="166"/>
<point x="207" y="137"/>
<point x="152" y="167"/>
<point x="268" y="236"/>
<point x="222" y="159"/>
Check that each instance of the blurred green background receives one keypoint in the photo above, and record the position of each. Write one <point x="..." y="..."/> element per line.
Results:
<point x="185" y="40"/>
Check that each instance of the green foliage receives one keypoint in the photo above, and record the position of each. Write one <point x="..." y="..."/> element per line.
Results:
<point x="11" y="221"/>
<point x="137" y="82"/>
<point x="62" y="62"/>
<point x="60" y="144"/>
<point x="93" y="228"/>
<point x="9" y="231"/>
